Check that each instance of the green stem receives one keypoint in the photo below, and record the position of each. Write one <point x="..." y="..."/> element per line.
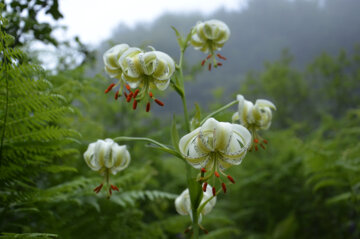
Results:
<point x="183" y="98"/>
<point x="161" y="146"/>
<point x="219" y="110"/>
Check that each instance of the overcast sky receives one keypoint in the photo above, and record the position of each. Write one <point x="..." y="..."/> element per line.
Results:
<point x="93" y="20"/>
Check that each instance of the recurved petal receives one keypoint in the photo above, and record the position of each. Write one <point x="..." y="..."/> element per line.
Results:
<point x="148" y="62"/>
<point x="162" y="84"/>
<point x="235" y="117"/>
<point x="129" y="53"/>
<point x="187" y="140"/>
<point x="121" y="158"/>
<point x="112" y="55"/>
<point x="89" y="156"/>
<point x="207" y="195"/>
<point x="182" y="203"/>
<point x="265" y="103"/>
<point x="133" y="82"/>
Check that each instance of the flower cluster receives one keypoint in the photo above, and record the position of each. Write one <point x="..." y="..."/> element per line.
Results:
<point x="208" y="37"/>
<point x="183" y="204"/>
<point x="255" y="117"/>
<point x="139" y="70"/>
<point x="214" y="147"/>
<point x="106" y="156"/>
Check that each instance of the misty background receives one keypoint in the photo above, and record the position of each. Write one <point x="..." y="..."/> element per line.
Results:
<point x="259" y="34"/>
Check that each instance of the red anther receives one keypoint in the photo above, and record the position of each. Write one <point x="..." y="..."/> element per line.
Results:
<point x="151" y="94"/>
<point x="209" y="67"/>
<point x="221" y="57"/>
<point x="203" y="170"/>
<point x="110" y="192"/>
<point x="148" y="107"/>
<point x="223" y="187"/>
<point x="136" y="93"/>
<point x="98" y="188"/>
<point x="114" y="187"/>
<point x="256" y="148"/>
<point x="256" y="141"/>
<point x="126" y="95"/>
<point x="203" y="62"/>
<point x="265" y="141"/>
<point x="128" y="87"/>
<point x="214" y="191"/>
<point x="134" y="104"/>
<point x="262" y="146"/>
<point x="116" y="95"/>
<point x="159" y="102"/>
<point x="109" y="88"/>
<point x="204" y="187"/>
<point x="128" y="99"/>
<point x="231" y="179"/>
<point x="208" y="57"/>
<point x="219" y="64"/>
<point x="217" y="174"/>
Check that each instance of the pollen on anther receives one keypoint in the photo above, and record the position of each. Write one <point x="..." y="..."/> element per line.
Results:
<point x="203" y="170"/>
<point x="231" y="179"/>
<point x="221" y="57"/>
<point x="116" y="95"/>
<point x="256" y="141"/>
<point x="204" y="186"/>
<point x="217" y="174"/>
<point x="223" y="187"/>
<point x="128" y="88"/>
<point x="114" y="187"/>
<point x="159" y="102"/>
<point x="134" y="104"/>
<point x="214" y="191"/>
<point x="128" y="99"/>
<point x="208" y="57"/>
<point x="109" y="88"/>
<point x="209" y="67"/>
<point x="151" y="94"/>
<point x="219" y="64"/>
<point x="136" y="93"/>
<point x="148" y="107"/>
<point x="203" y="62"/>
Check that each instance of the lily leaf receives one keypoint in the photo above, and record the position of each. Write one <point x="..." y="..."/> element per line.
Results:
<point x="174" y="134"/>
<point x="196" y="193"/>
<point x="178" y="37"/>
<point x="195" y="121"/>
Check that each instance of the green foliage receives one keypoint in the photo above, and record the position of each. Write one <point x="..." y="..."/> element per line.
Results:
<point x="23" y="19"/>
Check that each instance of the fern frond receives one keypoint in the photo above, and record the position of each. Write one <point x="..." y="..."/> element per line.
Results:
<point x="28" y="236"/>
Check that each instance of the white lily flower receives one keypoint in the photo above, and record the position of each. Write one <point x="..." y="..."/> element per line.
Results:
<point x="183" y="203"/>
<point x="148" y="69"/>
<point x="111" y="60"/>
<point x="210" y="35"/>
<point x="106" y="155"/>
<point x="215" y="145"/>
<point x="254" y="117"/>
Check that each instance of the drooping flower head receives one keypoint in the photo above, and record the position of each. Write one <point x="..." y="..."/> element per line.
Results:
<point x="105" y="157"/>
<point x="139" y="70"/>
<point x="183" y="203"/>
<point x="209" y="37"/>
<point x="214" y="147"/>
<point x="254" y="117"/>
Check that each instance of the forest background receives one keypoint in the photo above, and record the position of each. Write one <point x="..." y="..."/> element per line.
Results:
<point x="301" y="55"/>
